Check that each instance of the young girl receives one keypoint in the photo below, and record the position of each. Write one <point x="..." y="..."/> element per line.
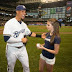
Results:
<point x="51" y="46"/>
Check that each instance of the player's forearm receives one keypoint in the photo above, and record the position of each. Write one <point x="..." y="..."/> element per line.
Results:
<point x="35" y="35"/>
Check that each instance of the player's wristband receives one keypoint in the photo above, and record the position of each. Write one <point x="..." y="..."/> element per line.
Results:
<point x="30" y="34"/>
<point x="38" y="35"/>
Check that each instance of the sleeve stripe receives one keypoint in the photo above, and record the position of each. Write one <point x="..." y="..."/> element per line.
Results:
<point x="6" y="38"/>
<point x="6" y="35"/>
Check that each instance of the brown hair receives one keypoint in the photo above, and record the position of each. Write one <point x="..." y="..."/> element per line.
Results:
<point x="55" y="25"/>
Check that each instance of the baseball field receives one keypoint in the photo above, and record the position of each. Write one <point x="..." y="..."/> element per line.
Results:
<point x="63" y="58"/>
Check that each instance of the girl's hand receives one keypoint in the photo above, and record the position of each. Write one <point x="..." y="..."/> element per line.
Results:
<point x="43" y="35"/>
<point x="41" y="47"/>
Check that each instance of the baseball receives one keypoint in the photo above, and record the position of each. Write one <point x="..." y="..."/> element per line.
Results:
<point x="38" y="45"/>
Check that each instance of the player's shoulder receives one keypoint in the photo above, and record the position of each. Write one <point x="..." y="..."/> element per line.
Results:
<point x="24" y="23"/>
<point x="9" y="22"/>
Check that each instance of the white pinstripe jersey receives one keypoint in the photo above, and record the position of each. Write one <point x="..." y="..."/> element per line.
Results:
<point x="16" y="31"/>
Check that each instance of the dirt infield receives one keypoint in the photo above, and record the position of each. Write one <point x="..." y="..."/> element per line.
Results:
<point x="1" y="32"/>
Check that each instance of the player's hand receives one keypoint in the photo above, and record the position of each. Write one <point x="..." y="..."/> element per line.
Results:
<point x="24" y="40"/>
<point x="43" y="35"/>
<point x="33" y="34"/>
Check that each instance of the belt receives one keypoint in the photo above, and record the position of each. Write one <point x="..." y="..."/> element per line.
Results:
<point x="19" y="47"/>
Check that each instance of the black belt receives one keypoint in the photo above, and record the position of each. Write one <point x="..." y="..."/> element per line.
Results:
<point x="19" y="47"/>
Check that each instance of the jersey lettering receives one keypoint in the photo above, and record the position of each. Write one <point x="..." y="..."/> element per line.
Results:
<point x="16" y="33"/>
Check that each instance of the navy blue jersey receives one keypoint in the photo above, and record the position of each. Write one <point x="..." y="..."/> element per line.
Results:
<point x="49" y="46"/>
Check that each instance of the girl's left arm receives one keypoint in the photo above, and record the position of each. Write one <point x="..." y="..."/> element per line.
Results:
<point x="55" y="51"/>
<point x="56" y="46"/>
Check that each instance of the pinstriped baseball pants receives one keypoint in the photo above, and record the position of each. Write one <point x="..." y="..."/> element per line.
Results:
<point x="13" y="53"/>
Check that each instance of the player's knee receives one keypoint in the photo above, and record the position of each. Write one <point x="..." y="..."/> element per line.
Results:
<point x="26" y="68"/>
<point x="11" y="65"/>
<point x="10" y="68"/>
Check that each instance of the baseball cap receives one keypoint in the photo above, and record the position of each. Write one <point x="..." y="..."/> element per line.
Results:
<point x="20" y="7"/>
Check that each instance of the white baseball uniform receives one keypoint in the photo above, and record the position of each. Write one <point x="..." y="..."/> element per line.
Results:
<point x="15" y="49"/>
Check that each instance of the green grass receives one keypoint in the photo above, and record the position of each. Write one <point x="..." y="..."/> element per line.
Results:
<point x="63" y="59"/>
<point x="66" y="29"/>
<point x="44" y="29"/>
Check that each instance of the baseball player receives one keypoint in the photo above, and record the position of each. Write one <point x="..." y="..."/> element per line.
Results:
<point x="14" y="31"/>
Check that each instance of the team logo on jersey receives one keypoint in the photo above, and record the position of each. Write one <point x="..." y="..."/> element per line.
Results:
<point x="16" y="33"/>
